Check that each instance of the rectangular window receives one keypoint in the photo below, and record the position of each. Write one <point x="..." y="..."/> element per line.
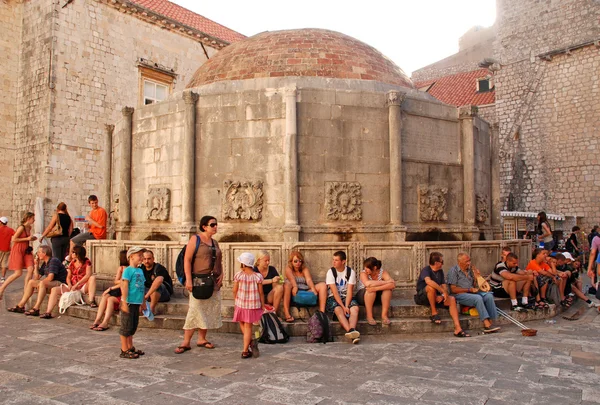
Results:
<point x="510" y="229"/>
<point x="154" y="92"/>
<point x="154" y="85"/>
<point x="483" y="85"/>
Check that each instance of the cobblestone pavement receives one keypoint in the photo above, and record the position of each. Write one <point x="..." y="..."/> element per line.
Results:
<point x="60" y="361"/>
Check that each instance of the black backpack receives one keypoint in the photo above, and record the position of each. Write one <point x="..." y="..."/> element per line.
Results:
<point x="180" y="259"/>
<point x="272" y="329"/>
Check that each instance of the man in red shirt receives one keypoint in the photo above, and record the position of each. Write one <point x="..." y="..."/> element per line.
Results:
<point x="6" y="234"/>
<point x="97" y="220"/>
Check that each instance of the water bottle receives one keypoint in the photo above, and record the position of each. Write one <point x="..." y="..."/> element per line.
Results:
<point x="586" y="289"/>
<point x="550" y="321"/>
<point x="541" y="244"/>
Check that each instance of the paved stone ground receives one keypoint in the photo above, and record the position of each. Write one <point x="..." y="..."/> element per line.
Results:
<point x="61" y="361"/>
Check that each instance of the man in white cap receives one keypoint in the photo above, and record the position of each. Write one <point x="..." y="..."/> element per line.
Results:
<point x="6" y="234"/>
<point x="573" y="286"/>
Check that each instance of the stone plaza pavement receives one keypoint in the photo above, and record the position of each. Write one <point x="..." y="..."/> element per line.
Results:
<point x="61" y="361"/>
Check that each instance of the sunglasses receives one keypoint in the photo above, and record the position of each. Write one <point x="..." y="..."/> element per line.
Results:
<point x="212" y="225"/>
<point x="297" y="261"/>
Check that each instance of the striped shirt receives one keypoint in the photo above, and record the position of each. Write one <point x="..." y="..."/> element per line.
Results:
<point x="248" y="296"/>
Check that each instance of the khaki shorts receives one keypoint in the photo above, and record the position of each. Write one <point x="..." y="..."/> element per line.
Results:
<point x="4" y="259"/>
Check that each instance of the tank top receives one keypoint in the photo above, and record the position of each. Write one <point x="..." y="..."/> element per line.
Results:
<point x="301" y="283"/>
<point x="65" y="223"/>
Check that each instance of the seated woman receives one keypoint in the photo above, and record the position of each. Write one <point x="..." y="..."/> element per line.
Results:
<point x="298" y="278"/>
<point x="111" y="297"/>
<point x="375" y="286"/>
<point x="272" y="290"/>
<point x="79" y="277"/>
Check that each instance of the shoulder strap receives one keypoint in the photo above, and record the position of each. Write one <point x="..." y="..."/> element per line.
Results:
<point x="348" y="273"/>
<point x="195" y="251"/>
<point x="334" y="271"/>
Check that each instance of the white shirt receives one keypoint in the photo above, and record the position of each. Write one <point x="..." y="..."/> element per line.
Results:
<point x="340" y="281"/>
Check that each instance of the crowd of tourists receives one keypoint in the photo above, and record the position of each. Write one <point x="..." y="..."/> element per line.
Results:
<point x="141" y="283"/>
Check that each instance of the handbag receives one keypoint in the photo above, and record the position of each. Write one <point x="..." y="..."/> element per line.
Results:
<point x="305" y="298"/>
<point x="203" y="286"/>
<point x="57" y="230"/>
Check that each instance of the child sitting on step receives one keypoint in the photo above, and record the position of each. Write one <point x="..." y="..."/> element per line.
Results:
<point x="249" y="302"/>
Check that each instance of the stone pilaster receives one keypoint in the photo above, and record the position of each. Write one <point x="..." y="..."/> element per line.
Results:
<point x="495" y="181"/>
<point x="394" y="102"/>
<point x="107" y="163"/>
<point x="465" y="115"/>
<point x="188" y="153"/>
<point x="291" y="229"/>
<point x="125" y="175"/>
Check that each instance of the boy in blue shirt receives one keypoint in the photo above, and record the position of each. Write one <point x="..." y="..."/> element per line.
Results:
<point x="132" y="297"/>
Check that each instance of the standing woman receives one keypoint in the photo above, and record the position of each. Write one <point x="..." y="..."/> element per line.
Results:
<point x="21" y="256"/>
<point x="60" y="243"/>
<point x="544" y="231"/>
<point x="202" y="314"/>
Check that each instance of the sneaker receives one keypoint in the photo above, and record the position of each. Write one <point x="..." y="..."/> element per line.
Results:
<point x="517" y="308"/>
<point x="352" y="334"/>
<point x="491" y="329"/>
<point x="593" y="305"/>
<point x="2" y="280"/>
<point x="530" y="306"/>
<point x="355" y="341"/>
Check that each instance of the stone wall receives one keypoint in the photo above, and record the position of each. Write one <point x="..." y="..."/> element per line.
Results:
<point x="549" y="110"/>
<point x="93" y="74"/>
<point x="10" y="39"/>
<point x="403" y="260"/>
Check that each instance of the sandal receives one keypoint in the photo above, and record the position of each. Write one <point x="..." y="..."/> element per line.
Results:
<point x="436" y="319"/>
<point x="93" y="304"/>
<point x="462" y="334"/>
<point x="17" y="309"/>
<point x="138" y="352"/>
<point x="182" y="349"/>
<point x="46" y="315"/>
<point x="565" y="304"/>
<point x="100" y="328"/>
<point x="289" y="319"/>
<point x="246" y="355"/>
<point x="128" y="355"/>
<point x="372" y="322"/>
<point x="386" y="321"/>
<point x="33" y="312"/>
<point x="206" y="345"/>
<point x="94" y="326"/>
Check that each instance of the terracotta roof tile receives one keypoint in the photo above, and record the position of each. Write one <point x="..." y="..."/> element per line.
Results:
<point x="191" y="19"/>
<point x="459" y="89"/>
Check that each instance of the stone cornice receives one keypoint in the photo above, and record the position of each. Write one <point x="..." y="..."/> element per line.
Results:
<point x="167" y="23"/>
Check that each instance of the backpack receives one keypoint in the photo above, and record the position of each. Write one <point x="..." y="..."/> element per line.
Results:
<point x="179" y="271"/>
<point x="272" y="329"/>
<point x="69" y="298"/>
<point x="553" y="294"/>
<point x="319" y="329"/>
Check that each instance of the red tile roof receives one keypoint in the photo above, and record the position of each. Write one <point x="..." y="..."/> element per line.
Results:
<point x="459" y="89"/>
<point x="191" y="19"/>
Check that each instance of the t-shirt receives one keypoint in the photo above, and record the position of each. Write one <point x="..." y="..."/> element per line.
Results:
<point x="437" y="276"/>
<point x="340" y="281"/>
<point x="247" y="296"/>
<point x="533" y="265"/>
<point x="55" y="267"/>
<point x="572" y="243"/>
<point x="136" y="279"/>
<point x="596" y="244"/>
<point x="157" y="270"/>
<point x="98" y="215"/>
<point x="6" y="234"/>
<point x="271" y="273"/>
<point x="499" y="269"/>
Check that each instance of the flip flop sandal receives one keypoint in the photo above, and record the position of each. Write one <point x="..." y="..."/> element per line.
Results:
<point x="17" y="309"/>
<point x="128" y="355"/>
<point x="462" y="334"/>
<point x="206" y="345"/>
<point x="386" y="321"/>
<point x="46" y="315"/>
<point x="182" y="349"/>
<point x="436" y="319"/>
<point x="289" y="319"/>
<point x="33" y="312"/>
<point x="246" y="355"/>
<point x="138" y="352"/>
<point x="100" y="328"/>
<point x="93" y="304"/>
<point x="372" y="322"/>
<point x="94" y="326"/>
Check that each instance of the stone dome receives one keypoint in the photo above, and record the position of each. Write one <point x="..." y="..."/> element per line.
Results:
<point x="302" y="52"/>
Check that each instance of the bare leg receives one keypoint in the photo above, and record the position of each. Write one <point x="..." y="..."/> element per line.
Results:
<point x="4" y="272"/>
<point x="28" y="276"/>
<point x="451" y="304"/>
<point x="41" y="294"/>
<point x="354" y="317"/>
<point x="90" y="287"/>
<point x="287" y="297"/>
<point x="431" y="297"/>
<point x="511" y="288"/>
<point x="28" y="293"/>
<point x="247" y="331"/>
<point x="369" y="301"/>
<point x="15" y="275"/>
<point x="187" y="337"/>
<point x="276" y="295"/>
<point x="322" y="290"/>
<point x="108" y="313"/>
<point x="55" y="294"/>
<point x="341" y="316"/>
<point x="101" y="308"/>
<point x="386" y="299"/>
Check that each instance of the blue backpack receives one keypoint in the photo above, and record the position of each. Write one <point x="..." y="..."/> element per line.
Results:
<point x="179" y="271"/>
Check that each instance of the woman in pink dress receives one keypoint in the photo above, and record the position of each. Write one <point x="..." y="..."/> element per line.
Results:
<point x="21" y="255"/>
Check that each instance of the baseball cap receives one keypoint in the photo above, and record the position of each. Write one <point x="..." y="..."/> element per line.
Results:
<point x="568" y="256"/>
<point x="4" y="220"/>
<point x="134" y="249"/>
<point x="247" y="259"/>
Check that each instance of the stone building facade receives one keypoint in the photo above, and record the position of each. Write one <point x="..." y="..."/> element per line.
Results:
<point x="69" y="68"/>
<point x="548" y="106"/>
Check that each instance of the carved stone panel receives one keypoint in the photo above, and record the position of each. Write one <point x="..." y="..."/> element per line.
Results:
<point x="343" y="201"/>
<point x="243" y="200"/>
<point x="432" y="203"/>
<point x="158" y="205"/>
<point x="481" y="204"/>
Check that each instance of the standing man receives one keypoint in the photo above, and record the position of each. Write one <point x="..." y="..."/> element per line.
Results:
<point x="159" y="284"/>
<point x="6" y="234"/>
<point x="341" y="281"/>
<point x="96" y="219"/>
<point x="433" y="292"/>
<point x="462" y="279"/>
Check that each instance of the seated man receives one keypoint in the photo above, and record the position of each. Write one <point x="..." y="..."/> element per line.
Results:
<point x="507" y="280"/>
<point x="55" y="275"/>
<point x="432" y="291"/>
<point x="341" y="281"/>
<point x="462" y="279"/>
<point x="96" y="219"/>
<point x="159" y="284"/>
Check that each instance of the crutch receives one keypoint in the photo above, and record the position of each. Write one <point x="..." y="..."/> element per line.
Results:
<point x="525" y="330"/>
